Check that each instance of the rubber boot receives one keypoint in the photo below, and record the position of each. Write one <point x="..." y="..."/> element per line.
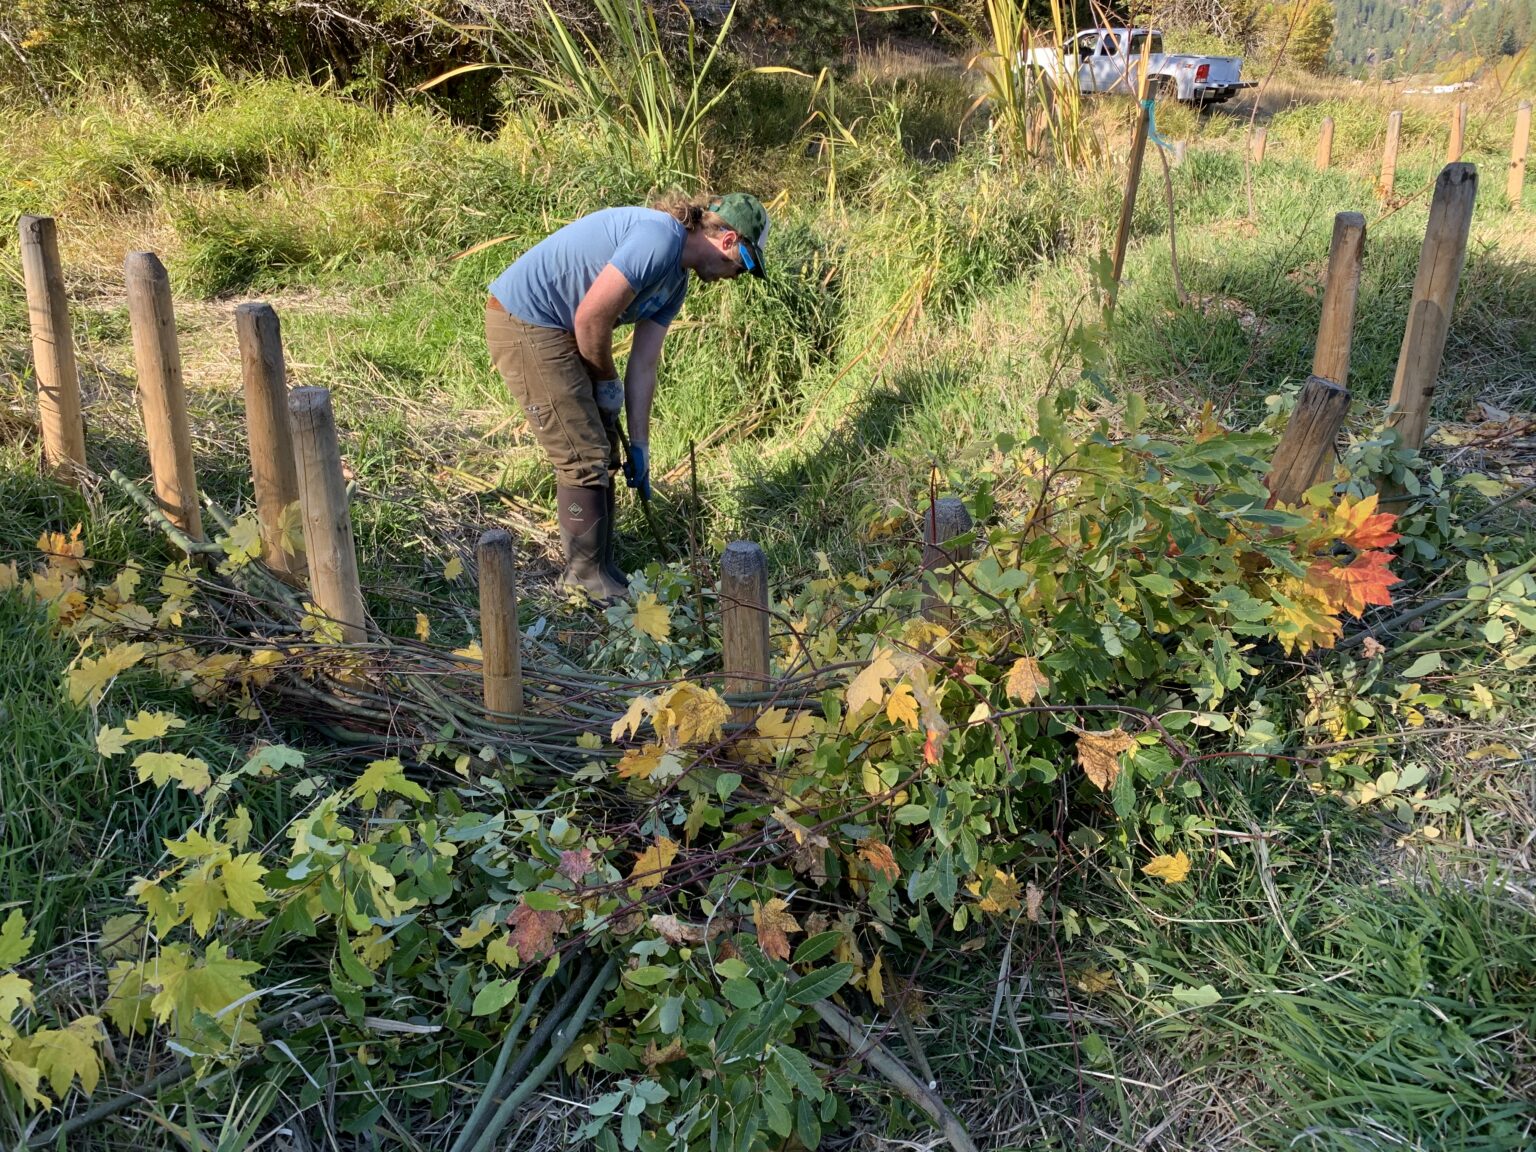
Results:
<point x="584" y="521"/>
<point x="611" y="536"/>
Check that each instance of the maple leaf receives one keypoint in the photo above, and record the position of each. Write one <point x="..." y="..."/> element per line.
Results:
<point x="652" y="864"/>
<point x="533" y="932"/>
<point x="162" y="767"/>
<point x="474" y="933"/>
<point x="655" y="1057"/>
<point x="774" y="923"/>
<point x="690" y="714"/>
<point x="1359" y="525"/>
<point x="61" y="1054"/>
<point x="201" y="893"/>
<point x="1002" y="893"/>
<point x="290" y="528"/>
<point x="153" y="725"/>
<point x="164" y="912"/>
<point x="64" y="552"/>
<point x="501" y="953"/>
<point x="575" y="863"/>
<point x="386" y="776"/>
<point x="867" y="688"/>
<point x="1026" y="680"/>
<point x="1303" y="619"/>
<point x="629" y="723"/>
<point x="643" y="763"/>
<point x="15" y="993"/>
<point x="122" y="936"/>
<point x="651" y="617"/>
<point x="112" y="741"/>
<point x="1168" y="869"/>
<point x="901" y="707"/>
<point x="1099" y="755"/>
<point x="128" y="1001"/>
<point x="878" y="855"/>
<point x="1351" y="587"/>
<point x="243" y="544"/>
<point x="209" y="987"/>
<point x="589" y="740"/>
<point x="15" y="943"/>
<point x="237" y="828"/>
<point x="243" y="888"/>
<point x="89" y="680"/>
<point x="453" y="569"/>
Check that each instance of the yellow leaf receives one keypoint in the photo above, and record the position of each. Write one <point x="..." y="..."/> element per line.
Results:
<point x="386" y="776"/>
<point x="639" y="708"/>
<point x="1099" y="755"/>
<point x="1026" y="680"/>
<point x="689" y="714"/>
<point x="901" y="708"/>
<point x="867" y="687"/>
<point x="423" y="627"/>
<point x="237" y="828"/>
<point x="164" y="912"/>
<point x="153" y="725"/>
<point x="874" y="979"/>
<point x="474" y="934"/>
<point x="9" y="577"/>
<point x="263" y="657"/>
<point x="61" y="1054"/>
<point x="651" y="866"/>
<point x="243" y="544"/>
<point x="453" y="569"/>
<point x="127" y="583"/>
<point x="1502" y="751"/>
<point x="1168" y="869"/>
<point x="639" y="763"/>
<point x="980" y="714"/>
<point x="15" y="943"/>
<point x="1002" y="893"/>
<point x="501" y="953"/>
<point x="14" y="993"/>
<point x="774" y="923"/>
<point x="290" y="528"/>
<point x="471" y="651"/>
<point x="161" y="767"/>
<point x="651" y="617"/>
<point x="128" y="1001"/>
<point x="122" y="937"/>
<point x="87" y="681"/>
<point x="112" y="741"/>
<point x="589" y="740"/>
<point x="243" y="888"/>
<point x="201" y="893"/>
<point x="1094" y="981"/>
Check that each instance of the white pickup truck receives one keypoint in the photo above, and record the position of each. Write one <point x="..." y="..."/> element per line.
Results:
<point x="1109" y="60"/>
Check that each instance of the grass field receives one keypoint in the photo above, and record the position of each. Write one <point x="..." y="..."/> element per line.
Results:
<point x="1332" y="981"/>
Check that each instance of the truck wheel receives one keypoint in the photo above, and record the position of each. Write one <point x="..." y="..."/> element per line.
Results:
<point x="1164" y="89"/>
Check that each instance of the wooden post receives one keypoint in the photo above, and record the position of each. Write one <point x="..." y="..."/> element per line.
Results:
<point x="328" y="545"/>
<point x="1335" y="331"/>
<point x="947" y="518"/>
<point x="53" y="349"/>
<point x="162" y="394"/>
<point x="1325" y="144"/>
<point x="273" y="473"/>
<point x="1517" y="150"/>
<point x="1260" y="140"/>
<point x="744" y="620"/>
<point x="1180" y="151"/>
<point x="1389" y="154"/>
<point x="1310" y="434"/>
<point x="1128" y="202"/>
<point x="1453" y="148"/>
<point x="499" y="633"/>
<point x="1434" y="297"/>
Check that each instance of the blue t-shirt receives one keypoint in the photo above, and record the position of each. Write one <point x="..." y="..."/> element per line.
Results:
<point x="546" y="283"/>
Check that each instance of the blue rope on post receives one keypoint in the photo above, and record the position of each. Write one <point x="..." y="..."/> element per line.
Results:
<point x="1152" y="127"/>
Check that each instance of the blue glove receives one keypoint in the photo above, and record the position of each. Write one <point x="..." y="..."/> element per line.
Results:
<point x="637" y="469"/>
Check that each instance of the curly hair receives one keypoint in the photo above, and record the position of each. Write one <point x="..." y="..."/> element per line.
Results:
<point x="692" y="212"/>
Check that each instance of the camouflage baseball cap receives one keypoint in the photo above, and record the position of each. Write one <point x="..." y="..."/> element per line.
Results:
<point x="747" y="217"/>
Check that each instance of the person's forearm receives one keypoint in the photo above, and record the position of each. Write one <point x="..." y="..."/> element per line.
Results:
<point x="594" y="343"/>
<point x="639" y="388"/>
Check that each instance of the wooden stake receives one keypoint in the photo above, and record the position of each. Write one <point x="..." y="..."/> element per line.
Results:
<point x="1325" y="144"/>
<point x="947" y="518"/>
<point x="1434" y="297"/>
<point x="744" y="620"/>
<point x="266" y="417"/>
<point x="1389" y="154"/>
<point x="1180" y="152"/>
<point x="1128" y="203"/>
<point x="1260" y="140"/>
<point x="499" y="632"/>
<point x="162" y="394"/>
<point x="328" y="542"/>
<point x="1308" y="441"/>
<point x="1515" y="188"/>
<point x="53" y="349"/>
<point x="1335" y="331"/>
<point x="1458" y="138"/>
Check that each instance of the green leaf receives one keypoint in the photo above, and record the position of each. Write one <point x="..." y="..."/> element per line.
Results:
<point x="807" y="1127"/>
<point x="732" y="969"/>
<point x="1425" y="664"/>
<point x="815" y="947"/>
<point x="725" y="784"/>
<point x="495" y="996"/>
<point x="543" y="901"/>
<point x="741" y="992"/>
<point x="1159" y="585"/>
<point x="1201" y="997"/>
<point x="797" y="1069"/>
<point x="912" y="814"/>
<point x="820" y="984"/>
<point x="649" y="976"/>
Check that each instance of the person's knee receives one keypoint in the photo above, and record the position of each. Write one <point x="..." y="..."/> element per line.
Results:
<point x="584" y="472"/>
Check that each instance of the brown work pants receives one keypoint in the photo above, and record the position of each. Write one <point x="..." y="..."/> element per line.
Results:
<point x="546" y="376"/>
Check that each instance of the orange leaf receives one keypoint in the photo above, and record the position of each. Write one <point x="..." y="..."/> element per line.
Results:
<point x="1099" y="754"/>
<point x="533" y="932"/>
<point x="1362" y="527"/>
<point x="933" y="747"/>
<point x="1350" y="587"/>
<point x="1026" y="680"/>
<point x="878" y="855"/>
<point x="774" y="923"/>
